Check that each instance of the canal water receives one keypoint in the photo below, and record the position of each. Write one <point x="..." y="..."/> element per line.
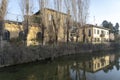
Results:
<point x="88" y="66"/>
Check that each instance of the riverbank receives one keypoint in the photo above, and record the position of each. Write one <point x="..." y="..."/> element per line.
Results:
<point x="14" y="54"/>
<point x="62" y="68"/>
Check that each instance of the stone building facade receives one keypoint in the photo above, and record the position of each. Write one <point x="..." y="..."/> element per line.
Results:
<point x="55" y="23"/>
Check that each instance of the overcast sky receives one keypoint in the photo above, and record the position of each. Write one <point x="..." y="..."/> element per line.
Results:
<point x="99" y="10"/>
<point x="104" y="10"/>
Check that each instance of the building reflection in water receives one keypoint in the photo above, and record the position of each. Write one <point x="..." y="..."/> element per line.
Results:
<point x="78" y="69"/>
<point x="66" y="68"/>
<point x="91" y="65"/>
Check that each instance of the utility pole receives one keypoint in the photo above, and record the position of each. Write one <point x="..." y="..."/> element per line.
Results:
<point x="94" y="20"/>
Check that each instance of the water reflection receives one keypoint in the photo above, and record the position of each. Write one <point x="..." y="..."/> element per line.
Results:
<point x="92" y="65"/>
<point x="98" y="66"/>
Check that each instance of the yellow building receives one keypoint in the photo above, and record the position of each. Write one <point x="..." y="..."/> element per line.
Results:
<point x="33" y="34"/>
<point x="93" y="34"/>
<point x="54" y="22"/>
<point x="12" y="29"/>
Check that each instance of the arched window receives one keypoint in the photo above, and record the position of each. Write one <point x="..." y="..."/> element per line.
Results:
<point x="6" y="35"/>
<point x="39" y="36"/>
<point x="21" y="35"/>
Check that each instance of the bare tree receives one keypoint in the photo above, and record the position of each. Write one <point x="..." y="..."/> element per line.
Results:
<point x="68" y="22"/>
<point x="26" y="18"/>
<point x="25" y="9"/>
<point x="84" y="17"/>
<point x="22" y="8"/>
<point x="57" y="18"/>
<point x="80" y="14"/>
<point x="3" y="10"/>
<point x="42" y="4"/>
<point x="74" y="12"/>
<point x="78" y="9"/>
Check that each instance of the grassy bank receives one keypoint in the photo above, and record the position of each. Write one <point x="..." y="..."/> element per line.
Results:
<point x="14" y="54"/>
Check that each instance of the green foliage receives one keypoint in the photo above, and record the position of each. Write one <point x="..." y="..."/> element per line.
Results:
<point x="109" y="25"/>
<point x="105" y="24"/>
<point x="117" y="38"/>
<point x="116" y="28"/>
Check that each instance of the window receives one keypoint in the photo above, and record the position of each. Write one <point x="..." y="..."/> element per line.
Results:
<point x="95" y="39"/>
<point x="90" y="65"/>
<point x="107" y="33"/>
<point x="94" y="31"/>
<point x="89" y="32"/>
<point x="102" y="32"/>
<point x="98" y="65"/>
<point x="97" y="31"/>
<point x="83" y="31"/>
<point x="6" y="35"/>
<point x="102" y="63"/>
<point x="39" y="36"/>
<point x="98" y="39"/>
<point x="22" y="35"/>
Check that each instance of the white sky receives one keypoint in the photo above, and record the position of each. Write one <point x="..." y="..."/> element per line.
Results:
<point x="99" y="10"/>
<point x="104" y="10"/>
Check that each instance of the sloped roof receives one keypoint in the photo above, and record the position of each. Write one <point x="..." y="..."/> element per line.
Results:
<point x="90" y="25"/>
<point x="38" y="12"/>
<point x="14" y="22"/>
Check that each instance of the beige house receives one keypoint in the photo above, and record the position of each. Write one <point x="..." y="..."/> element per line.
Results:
<point x="93" y="34"/>
<point x="96" y="63"/>
<point x="112" y="36"/>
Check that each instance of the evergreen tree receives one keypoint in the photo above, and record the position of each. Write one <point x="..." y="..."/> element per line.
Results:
<point x="105" y="24"/>
<point x="108" y="25"/>
<point x="117" y="28"/>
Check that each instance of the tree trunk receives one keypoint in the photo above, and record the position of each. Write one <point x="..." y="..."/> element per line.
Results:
<point x="43" y="32"/>
<point x="3" y="10"/>
<point x="67" y="33"/>
<point x="1" y="32"/>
